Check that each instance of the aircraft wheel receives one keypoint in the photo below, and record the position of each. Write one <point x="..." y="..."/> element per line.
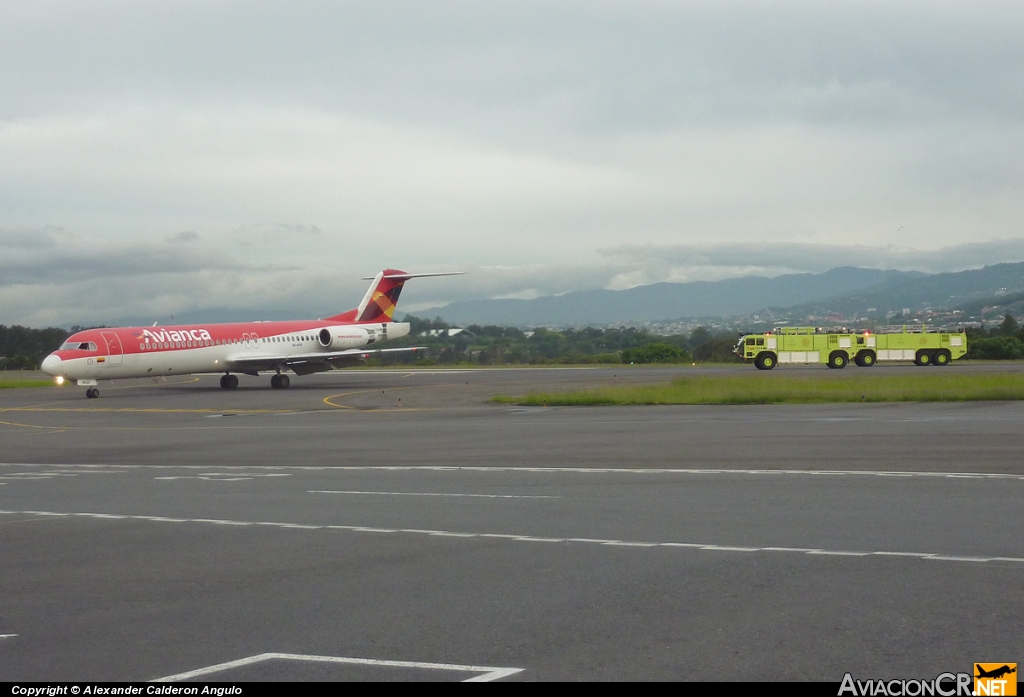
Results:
<point x="92" y="393"/>
<point x="942" y="358"/>
<point x="229" y="382"/>
<point x="284" y="381"/>
<point x="279" y="381"/>
<point x="837" y="360"/>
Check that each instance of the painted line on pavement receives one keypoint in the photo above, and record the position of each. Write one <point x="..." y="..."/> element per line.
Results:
<point x="570" y="470"/>
<point x="530" y="538"/>
<point x="411" y="493"/>
<point x="487" y="673"/>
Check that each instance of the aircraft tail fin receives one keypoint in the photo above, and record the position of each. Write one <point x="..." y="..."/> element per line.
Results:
<point x="378" y="305"/>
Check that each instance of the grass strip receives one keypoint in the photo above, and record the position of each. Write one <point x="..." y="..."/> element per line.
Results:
<point x="759" y="388"/>
<point x="6" y="384"/>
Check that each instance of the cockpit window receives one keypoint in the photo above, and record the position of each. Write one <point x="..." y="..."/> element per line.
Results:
<point x="78" y="346"/>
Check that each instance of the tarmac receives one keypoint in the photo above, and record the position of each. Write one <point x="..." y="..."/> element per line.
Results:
<point x="396" y="525"/>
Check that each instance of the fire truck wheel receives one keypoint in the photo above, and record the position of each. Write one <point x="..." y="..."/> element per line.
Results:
<point x="923" y="358"/>
<point x="837" y="359"/>
<point x="942" y="358"/>
<point x="865" y="359"/>
<point x="765" y="361"/>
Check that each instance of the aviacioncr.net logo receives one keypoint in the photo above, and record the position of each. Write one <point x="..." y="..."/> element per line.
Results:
<point x="945" y="685"/>
<point x="995" y="679"/>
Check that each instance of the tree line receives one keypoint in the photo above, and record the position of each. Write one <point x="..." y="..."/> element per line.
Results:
<point x="1004" y="342"/>
<point x="497" y="345"/>
<point x="23" y="348"/>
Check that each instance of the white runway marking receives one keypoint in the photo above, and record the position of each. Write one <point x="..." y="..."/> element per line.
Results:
<point x="7" y="636"/>
<point x="52" y="474"/>
<point x="409" y="493"/>
<point x="223" y="476"/>
<point x="486" y="673"/>
<point x="572" y="470"/>
<point x="529" y="538"/>
<point x="208" y="479"/>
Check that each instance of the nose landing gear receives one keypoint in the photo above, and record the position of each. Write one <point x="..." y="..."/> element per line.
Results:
<point x="229" y="382"/>
<point x="280" y="381"/>
<point x="92" y="393"/>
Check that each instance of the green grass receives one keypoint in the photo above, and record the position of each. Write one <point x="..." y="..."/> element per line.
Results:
<point x="6" y="383"/>
<point x="764" y="389"/>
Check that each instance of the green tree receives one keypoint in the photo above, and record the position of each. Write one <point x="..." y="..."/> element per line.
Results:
<point x="1009" y="325"/>
<point x="699" y="336"/>
<point x="717" y="351"/>
<point x="659" y="352"/>
<point x="996" y="348"/>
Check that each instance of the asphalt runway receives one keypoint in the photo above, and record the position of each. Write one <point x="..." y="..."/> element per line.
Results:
<point x="329" y="532"/>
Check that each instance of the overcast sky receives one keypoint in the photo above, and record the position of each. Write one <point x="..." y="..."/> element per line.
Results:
<point x="160" y="158"/>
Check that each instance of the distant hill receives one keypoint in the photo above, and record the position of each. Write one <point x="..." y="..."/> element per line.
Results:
<point x="968" y="290"/>
<point x="661" y="301"/>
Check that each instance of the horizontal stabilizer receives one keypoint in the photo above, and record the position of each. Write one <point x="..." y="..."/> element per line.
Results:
<point x="378" y="305"/>
<point x="407" y="276"/>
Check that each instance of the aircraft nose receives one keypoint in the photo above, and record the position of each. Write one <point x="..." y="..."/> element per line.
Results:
<point x="51" y="364"/>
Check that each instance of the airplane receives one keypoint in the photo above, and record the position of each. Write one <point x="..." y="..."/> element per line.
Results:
<point x="302" y="346"/>
<point x="994" y="673"/>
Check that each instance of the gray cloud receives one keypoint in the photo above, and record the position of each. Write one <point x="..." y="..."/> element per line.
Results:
<point x="64" y="287"/>
<point x="183" y="237"/>
<point x="50" y="256"/>
<point x="583" y="65"/>
<point x="799" y="258"/>
<point x="543" y="146"/>
<point x="274" y="231"/>
<point x="229" y="294"/>
<point x="26" y="238"/>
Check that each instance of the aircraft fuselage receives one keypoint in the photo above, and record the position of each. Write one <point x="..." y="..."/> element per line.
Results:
<point x="246" y="347"/>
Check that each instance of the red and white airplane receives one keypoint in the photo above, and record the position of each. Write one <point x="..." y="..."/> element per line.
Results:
<point x="304" y="347"/>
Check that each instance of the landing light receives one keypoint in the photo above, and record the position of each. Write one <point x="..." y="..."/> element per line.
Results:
<point x="59" y="380"/>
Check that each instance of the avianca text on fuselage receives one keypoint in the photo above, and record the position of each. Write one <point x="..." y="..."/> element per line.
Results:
<point x="302" y="347"/>
<point x="167" y="335"/>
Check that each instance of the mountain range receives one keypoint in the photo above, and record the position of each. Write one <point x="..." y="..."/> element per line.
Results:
<point x="848" y="290"/>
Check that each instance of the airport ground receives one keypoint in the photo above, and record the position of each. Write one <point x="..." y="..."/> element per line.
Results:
<point x="329" y="531"/>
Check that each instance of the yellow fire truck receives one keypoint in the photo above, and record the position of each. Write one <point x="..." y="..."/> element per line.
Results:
<point x="808" y="345"/>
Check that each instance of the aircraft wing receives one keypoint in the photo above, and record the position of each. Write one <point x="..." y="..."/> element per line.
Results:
<point x="309" y="362"/>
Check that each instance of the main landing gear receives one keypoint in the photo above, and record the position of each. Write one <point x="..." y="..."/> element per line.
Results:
<point x="230" y="382"/>
<point x="92" y="393"/>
